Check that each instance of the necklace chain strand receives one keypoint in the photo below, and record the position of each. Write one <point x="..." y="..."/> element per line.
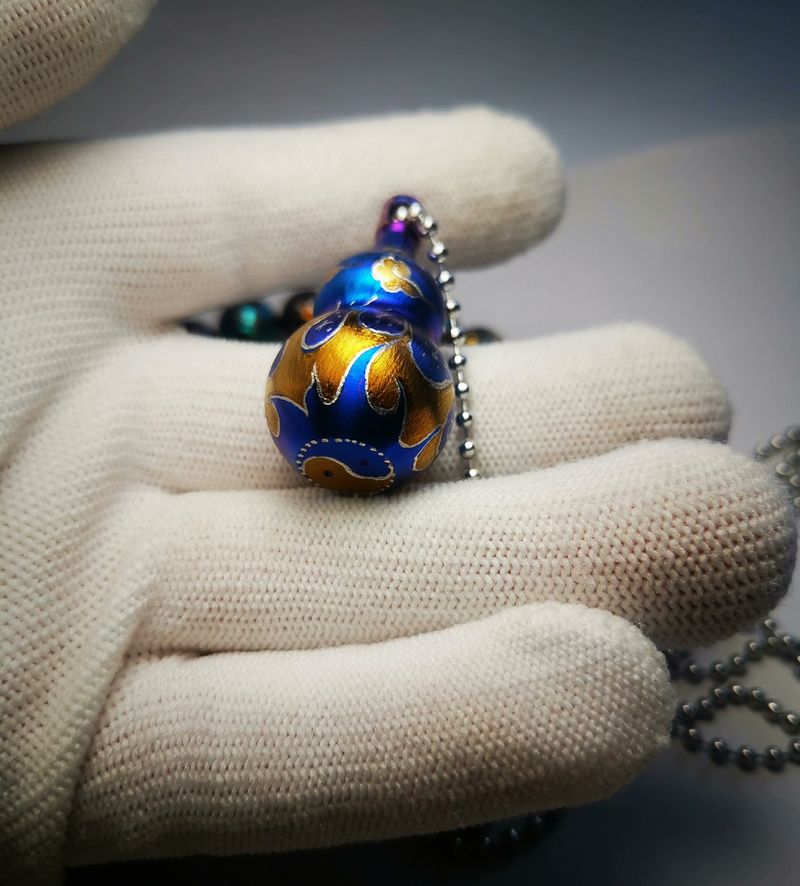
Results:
<point x="688" y="714"/>
<point x="428" y="229"/>
<point x="771" y="641"/>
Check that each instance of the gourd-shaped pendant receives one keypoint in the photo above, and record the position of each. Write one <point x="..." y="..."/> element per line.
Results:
<point x="360" y="398"/>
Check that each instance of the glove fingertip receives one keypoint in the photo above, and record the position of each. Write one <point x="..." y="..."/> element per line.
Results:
<point x="65" y="43"/>
<point x="516" y="190"/>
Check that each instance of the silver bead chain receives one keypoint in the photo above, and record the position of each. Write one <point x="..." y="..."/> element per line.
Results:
<point x="782" y="451"/>
<point x="428" y="229"/>
<point x="771" y="642"/>
<point x="785" y="449"/>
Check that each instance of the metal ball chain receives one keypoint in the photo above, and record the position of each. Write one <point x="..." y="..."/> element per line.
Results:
<point x="688" y="714"/>
<point x="437" y="253"/>
<point x="771" y="641"/>
<point x="494" y="841"/>
<point x="786" y="447"/>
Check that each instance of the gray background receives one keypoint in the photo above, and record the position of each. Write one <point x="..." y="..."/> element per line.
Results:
<point x="680" y="128"/>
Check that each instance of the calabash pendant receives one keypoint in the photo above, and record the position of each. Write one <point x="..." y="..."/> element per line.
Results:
<point x="360" y="398"/>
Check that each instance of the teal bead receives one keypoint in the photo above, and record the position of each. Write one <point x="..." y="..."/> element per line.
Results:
<point x="251" y="321"/>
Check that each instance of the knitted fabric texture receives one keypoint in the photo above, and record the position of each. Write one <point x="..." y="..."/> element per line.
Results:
<point x="373" y="672"/>
<point x="301" y="749"/>
<point x="50" y="48"/>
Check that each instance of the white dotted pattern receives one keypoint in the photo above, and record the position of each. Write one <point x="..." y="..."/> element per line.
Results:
<point x="301" y="455"/>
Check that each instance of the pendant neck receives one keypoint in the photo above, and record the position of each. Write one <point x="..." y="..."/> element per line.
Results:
<point x="395" y="234"/>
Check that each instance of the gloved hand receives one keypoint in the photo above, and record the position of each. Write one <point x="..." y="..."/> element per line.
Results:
<point x="203" y="654"/>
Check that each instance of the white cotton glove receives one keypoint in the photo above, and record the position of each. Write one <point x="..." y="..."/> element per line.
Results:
<point x="203" y="654"/>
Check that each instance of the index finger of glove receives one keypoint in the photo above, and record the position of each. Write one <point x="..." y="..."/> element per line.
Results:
<point x="160" y="227"/>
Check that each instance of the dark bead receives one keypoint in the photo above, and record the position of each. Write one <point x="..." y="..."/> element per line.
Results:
<point x="719" y="670"/>
<point x="737" y="694"/>
<point x="757" y="698"/>
<point x="774" y="645"/>
<point x="789" y="653"/>
<point x="790" y="723"/>
<point x="686" y="712"/>
<point x="746" y="758"/>
<point x="754" y="650"/>
<point x="719" y="696"/>
<point x="252" y="321"/>
<point x="693" y="672"/>
<point x="536" y="825"/>
<point x="718" y="750"/>
<point x="511" y="837"/>
<point x="678" y="654"/>
<point x="197" y="328"/>
<point x="480" y="335"/>
<point x="298" y="311"/>
<point x="737" y="664"/>
<point x="486" y="844"/>
<point x="774" y="758"/>
<point x="705" y="708"/>
<point x="769" y="625"/>
<point x="693" y="739"/>
<point x="794" y="751"/>
<point x="790" y="642"/>
<point x="673" y="663"/>
<point x="773" y="711"/>
<point x="549" y="818"/>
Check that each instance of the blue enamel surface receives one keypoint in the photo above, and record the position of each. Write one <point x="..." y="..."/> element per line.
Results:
<point x="429" y="360"/>
<point x="355" y="286"/>
<point x="380" y="321"/>
<point x="321" y="330"/>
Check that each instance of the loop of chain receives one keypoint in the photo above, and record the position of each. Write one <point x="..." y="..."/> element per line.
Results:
<point x="771" y="642"/>
<point x="785" y="450"/>
<point x="437" y="253"/>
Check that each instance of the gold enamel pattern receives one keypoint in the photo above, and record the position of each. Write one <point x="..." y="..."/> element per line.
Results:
<point x="393" y="380"/>
<point x="394" y="275"/>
